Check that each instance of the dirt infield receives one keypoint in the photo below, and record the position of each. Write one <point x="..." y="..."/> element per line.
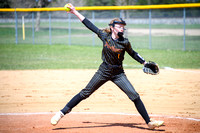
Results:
<point x="172" y="96"/>
<point x="92" y="123"/>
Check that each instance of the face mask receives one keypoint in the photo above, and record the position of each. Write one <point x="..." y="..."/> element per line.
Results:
<point x="120" y="34"/>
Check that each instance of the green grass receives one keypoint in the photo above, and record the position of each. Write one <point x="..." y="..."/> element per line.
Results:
<point x="85" y="37"/>
<point x="20" y="57"/>
<point x="80" y="35"/>
<point x="104" y="25"/>
<point x="166" y="42"/>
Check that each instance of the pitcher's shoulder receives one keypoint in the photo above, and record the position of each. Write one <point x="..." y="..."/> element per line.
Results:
<point x="126" y="41"/>
<point x="102" y="33"/>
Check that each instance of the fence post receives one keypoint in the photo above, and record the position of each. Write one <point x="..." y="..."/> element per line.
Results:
<point x="50" y="28"/>
<point x="69" y="28"/>
<point x="150" y="47"/>
<point x="16" y="32"/>
<point x="93" y="34"/>
<point x="121" y="14"/>
<point x="33" y="30"/>
<point x="184" y="29"/>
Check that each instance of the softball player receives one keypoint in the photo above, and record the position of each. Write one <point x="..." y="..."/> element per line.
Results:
<point x="111" y="69"/>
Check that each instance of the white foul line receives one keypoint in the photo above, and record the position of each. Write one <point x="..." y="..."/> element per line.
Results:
<point x="101" y="113"/>
<point x="179" y="70"/>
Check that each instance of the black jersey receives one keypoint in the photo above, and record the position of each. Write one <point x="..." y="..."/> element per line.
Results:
<point x="113" y="50"/>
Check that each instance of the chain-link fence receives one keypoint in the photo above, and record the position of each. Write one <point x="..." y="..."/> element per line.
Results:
<point x="177" y="29"/>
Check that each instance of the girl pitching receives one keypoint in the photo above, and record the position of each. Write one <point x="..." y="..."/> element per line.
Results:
<point x="111" y="69"/>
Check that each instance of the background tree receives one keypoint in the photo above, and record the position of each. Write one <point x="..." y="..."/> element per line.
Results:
<point x="4" y="4"/>
<point x="40" y="3"/>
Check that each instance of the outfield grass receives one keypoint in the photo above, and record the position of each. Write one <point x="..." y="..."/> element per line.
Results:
<point x="82" y="36"/>
<point x="85" y="37"/>
<point x="103" y="25"/>
<point x="20" y="57"/>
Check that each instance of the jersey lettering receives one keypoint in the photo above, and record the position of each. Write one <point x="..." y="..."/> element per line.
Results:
<point x="113" y="48"/>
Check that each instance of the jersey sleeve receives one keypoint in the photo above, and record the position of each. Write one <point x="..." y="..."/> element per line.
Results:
<point x="134" y="54"/>
<point x="90" y="25"/>
<point x="101" y="34"/>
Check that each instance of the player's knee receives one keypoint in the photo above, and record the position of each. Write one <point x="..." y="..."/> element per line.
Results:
<point x="85" y="94"/>
<point x="135" y="97"/>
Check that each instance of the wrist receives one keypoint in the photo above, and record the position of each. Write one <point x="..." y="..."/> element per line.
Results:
<point x="144" y="63"/>
<point x="76" y="13"/>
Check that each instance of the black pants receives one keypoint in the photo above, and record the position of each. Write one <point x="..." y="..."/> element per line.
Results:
<point x="116" y="75"/>
<point x="104" y="74"/>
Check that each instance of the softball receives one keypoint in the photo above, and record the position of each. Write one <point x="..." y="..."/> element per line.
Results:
<point x="67" y="7"/>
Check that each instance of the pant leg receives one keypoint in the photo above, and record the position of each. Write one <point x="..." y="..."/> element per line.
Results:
<point x="97" y="80"/>
<point x="123" y="83"/>
<point x="141" y="109"/>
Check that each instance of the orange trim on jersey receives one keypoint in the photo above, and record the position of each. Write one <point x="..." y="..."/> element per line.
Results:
<point x="113" y="48"/>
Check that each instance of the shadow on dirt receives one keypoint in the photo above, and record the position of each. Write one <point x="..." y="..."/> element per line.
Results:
<point x="99" y="124"/>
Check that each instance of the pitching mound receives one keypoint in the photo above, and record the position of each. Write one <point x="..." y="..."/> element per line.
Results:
<point x="92" y="123"/>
